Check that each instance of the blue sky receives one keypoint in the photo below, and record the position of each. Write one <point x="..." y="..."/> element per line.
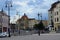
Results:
<point x="30" y="7"/>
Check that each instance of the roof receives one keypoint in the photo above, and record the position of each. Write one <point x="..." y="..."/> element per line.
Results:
<point x="24" y="16"/>
<point x="54" y="5"/>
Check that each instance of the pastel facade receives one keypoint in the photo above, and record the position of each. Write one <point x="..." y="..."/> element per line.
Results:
<point x="54" y="14"/>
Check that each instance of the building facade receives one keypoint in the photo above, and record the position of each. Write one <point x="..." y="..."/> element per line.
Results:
<point x="3" y="21"/>
<point x="32" y="22"/>
<point x="54" y="15"/>
<point x="24" y="22"/>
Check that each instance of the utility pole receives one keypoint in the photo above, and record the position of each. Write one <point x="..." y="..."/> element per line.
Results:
<point x="8" y="6"/>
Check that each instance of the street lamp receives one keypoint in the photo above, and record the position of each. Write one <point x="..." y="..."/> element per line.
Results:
<point x="41" y="16"/>
<point x="40" y="22"/>
<point x="38" y="16"/>
<point x="8" y="6"/>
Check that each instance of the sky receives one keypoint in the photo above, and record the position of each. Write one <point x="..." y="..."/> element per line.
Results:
<point x="30" y="7"/>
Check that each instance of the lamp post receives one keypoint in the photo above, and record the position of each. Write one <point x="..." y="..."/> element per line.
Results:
<point x="8" y="6"/>
<point x="39" y="15"/>
<point x="52" y="24"/>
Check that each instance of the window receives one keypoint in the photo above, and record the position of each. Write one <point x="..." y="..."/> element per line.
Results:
<point x="57" y="13"/>
<point x="51" y="12"/>
<point x="57" y="19"/>
<point x="51" y="16"/>
<point x="59" y="8"/>
<point x="0" y="30"/>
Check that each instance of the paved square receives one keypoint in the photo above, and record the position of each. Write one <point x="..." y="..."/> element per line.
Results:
<point x="34" y="37"/>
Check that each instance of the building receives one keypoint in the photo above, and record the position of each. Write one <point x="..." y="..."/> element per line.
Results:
<point x="13" y="27"/>
<point x="3" y="21"/>
<point x="32" y="22"/>
<point x="54" y="15"/>
<point x="24" y="22"/>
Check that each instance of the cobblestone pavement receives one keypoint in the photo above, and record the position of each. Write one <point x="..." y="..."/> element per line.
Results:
<point x="34" y="37"/>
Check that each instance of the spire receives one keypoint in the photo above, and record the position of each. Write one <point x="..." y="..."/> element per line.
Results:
<point x="24" y="14"/>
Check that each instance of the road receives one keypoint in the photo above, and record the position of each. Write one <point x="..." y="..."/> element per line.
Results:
<point x="34" y="37"/>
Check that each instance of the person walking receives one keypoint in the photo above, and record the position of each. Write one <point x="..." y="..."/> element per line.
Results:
<point x="39" y="32"/>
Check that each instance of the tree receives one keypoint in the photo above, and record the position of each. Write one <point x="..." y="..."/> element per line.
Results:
<point x="35" y="26"/>
<point x="39" y="26"/>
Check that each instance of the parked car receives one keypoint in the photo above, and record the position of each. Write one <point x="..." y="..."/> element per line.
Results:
<point x="4" y="34"/>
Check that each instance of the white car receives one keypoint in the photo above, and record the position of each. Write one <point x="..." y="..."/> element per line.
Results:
<point x="4" y="34"/>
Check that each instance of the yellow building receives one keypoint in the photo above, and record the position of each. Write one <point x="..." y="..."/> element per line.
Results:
<point x="24" y="22"/>
<point x="54" y="15"/>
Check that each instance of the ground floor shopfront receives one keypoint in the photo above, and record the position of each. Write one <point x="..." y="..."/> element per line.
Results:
<point x="3" y="29"/>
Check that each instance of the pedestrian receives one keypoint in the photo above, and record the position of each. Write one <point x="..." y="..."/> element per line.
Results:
<point x="19" y="32"/>
<point x="39" y="32"/>
<point x="9" y="32"/>
<point x="55" y="28"/>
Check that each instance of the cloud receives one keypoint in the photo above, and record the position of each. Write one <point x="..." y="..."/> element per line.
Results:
<point x="20" y="3"/>
<point x="14" y="18"/>
<point x="33" y="6"/>
<point x="30" y="7"/>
